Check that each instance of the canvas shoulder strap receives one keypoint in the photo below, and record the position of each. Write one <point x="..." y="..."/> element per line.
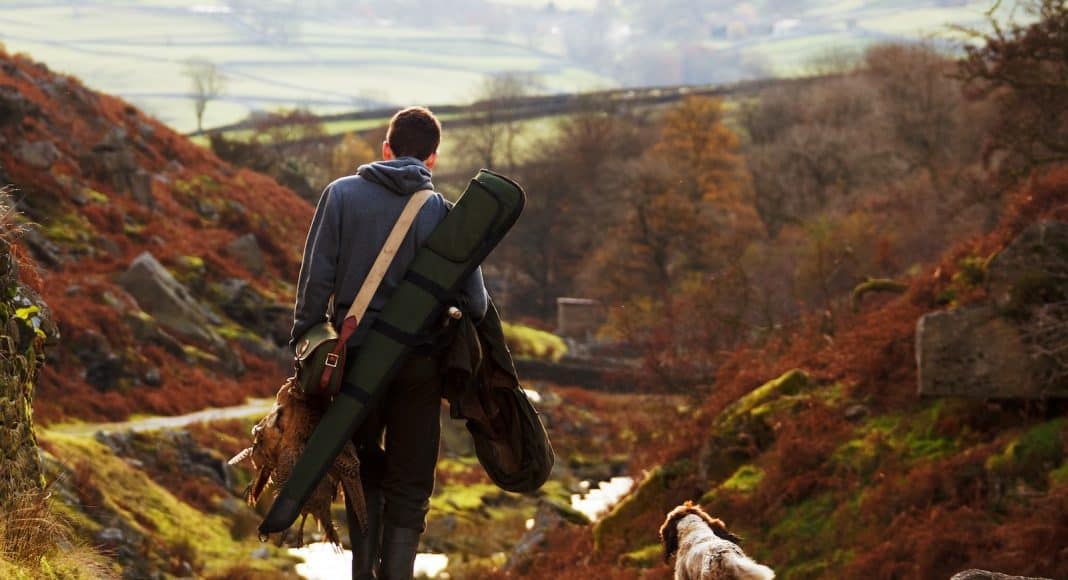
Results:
<point x="386" y="255"/>
<point x="382" y="263"/>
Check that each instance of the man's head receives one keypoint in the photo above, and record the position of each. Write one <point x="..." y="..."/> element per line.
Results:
<point x="413" y="132"/>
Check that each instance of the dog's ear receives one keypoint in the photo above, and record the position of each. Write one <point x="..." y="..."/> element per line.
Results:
<point x="720" y="529"/>
<point x="669" y="533"/>
<point x="669" y="536"/>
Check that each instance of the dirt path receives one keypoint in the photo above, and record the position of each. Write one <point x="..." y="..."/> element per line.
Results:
<point x="253" y="408"/>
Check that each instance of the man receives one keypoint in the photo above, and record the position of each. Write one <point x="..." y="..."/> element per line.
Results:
<point x="351" y="223"/>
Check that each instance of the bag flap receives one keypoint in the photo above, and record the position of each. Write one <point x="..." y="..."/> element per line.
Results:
<point x="315" y="337"/>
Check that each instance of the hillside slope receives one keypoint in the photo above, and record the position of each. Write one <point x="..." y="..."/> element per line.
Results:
<point x="838" y="469"/>
<point x="104" y="183"/>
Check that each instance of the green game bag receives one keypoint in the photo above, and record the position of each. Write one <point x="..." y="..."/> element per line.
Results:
<point x="488" y="208"/>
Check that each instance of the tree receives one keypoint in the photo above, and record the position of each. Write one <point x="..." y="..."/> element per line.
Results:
<point x="490" y="141"/>
<point x="208" y="82"/>
<point x="922" y="104"/>
<point x="1025" y="69"/>
<point x="685" y="206"/>
<point x="352" y="152"/>
<point x="568" y="214"/>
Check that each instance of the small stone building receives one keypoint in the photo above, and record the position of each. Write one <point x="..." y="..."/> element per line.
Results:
<point x="579" y="318"/>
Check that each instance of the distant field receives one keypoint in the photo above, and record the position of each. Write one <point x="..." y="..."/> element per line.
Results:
<point x="136" y="49"/>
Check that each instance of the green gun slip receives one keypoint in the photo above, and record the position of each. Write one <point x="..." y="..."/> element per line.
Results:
<point x="488" y="208"/>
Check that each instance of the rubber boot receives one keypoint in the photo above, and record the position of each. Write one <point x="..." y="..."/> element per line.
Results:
<point x="365" y="545"/>
<point x="399" y="546"/>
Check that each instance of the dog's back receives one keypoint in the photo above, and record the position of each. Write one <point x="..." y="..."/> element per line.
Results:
<point x="745" y="569"/>
<point x="720" y="559"/>
<point x="703" y="555"/>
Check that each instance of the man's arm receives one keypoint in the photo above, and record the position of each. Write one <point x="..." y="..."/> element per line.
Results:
<point x="477" y="300"/>
<point x="319" y="266"/>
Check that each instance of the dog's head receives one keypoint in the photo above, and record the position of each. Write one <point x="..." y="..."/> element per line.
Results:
<point x="669" y="532"/>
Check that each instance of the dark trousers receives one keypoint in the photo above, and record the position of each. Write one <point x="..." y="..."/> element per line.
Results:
<point x="398" y="444"/>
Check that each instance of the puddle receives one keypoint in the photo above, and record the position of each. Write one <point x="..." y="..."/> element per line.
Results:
<point x="322" y="561"/>
<point x="597" y="501"/>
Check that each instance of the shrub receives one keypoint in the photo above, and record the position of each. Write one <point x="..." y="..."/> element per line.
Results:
<point x="527" y="342"/>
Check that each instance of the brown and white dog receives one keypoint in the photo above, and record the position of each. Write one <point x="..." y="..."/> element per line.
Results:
<point x="704" y="549"/>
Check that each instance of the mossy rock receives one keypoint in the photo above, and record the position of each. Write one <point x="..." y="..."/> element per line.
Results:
<point x="1031" y="270"/>
<point x="570" y="514"/>
<point x="647" y="557"/>
<point x="744" y="428"/>
<point x="656" y="494"/>
<point x="744" y="481"/>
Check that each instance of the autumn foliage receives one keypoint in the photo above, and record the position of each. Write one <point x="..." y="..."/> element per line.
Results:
<point x="90" y="229"/>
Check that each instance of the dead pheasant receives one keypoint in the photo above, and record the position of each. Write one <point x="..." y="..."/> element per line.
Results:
<point x="278" y="440"/>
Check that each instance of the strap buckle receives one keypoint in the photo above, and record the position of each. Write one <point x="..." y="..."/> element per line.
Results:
<point x="332" y="360"/>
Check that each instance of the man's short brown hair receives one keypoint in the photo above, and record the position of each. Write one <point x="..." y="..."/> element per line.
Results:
<point x="414" y="132"/>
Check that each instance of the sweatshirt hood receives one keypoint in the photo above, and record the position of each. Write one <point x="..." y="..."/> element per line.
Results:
<point x="402" y="176"/>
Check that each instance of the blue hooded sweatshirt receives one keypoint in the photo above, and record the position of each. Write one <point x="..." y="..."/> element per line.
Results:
<point x="352" y="220"/>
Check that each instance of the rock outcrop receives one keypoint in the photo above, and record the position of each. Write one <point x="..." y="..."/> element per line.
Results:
<point x="974" y="352"/>
<point x="246" y="251"/>
<point x="170" y="303"/>
<point x="26" y="328"/>
<point x="106" y="182"/>
<point x="158" y="293"/>
<point x="1008" y="347"/>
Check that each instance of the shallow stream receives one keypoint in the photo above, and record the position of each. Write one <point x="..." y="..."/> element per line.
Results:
<point x="324" y="562"/>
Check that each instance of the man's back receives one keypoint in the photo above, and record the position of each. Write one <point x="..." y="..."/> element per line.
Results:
<point x="354" y="216"/>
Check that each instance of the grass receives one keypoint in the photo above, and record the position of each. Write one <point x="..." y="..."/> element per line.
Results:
<point x="37" y="540"/>
<point x="120" y="490"/>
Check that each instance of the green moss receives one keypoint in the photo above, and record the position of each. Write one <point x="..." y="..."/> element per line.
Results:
<point x="808" y="534"/>
<point x="918" y="449"/>
<point x="97" y="197"/>
<point x="745" y="480"/>
<point x="555" y="490"/>
<point x="232" y="331"/>
<point x="921" y="440"/>
<point x="191" y="262"/>
<point x="195" y="187"/>
<point x="862" y="455"/>
<point x="751" y="417"/>
<point x="791" y="383"/>
<point x="194" y="354"/>
<point x="876" y="285"/>
<point x="1032" y="455"/>
<point x="133" y="230"/>
<point x="482" y="500"/>
<point x="647" y="557"/>
<point x="69" y="228"/>
<point x="808" y="519"/>
<point x="971" y="272"/>
<point x="1059" y="476"/>
<point x="129" y="494"/>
